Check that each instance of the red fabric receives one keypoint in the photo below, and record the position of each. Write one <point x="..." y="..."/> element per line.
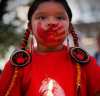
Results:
<point x="56" y="65"/>
<point x="93" y="77"/>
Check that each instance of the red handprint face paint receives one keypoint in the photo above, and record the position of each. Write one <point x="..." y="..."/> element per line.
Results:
<point x="51" y="36"/>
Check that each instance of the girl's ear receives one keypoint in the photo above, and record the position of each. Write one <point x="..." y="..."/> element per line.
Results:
<point x="30" y="27"/>
<point x="70" y="28"/>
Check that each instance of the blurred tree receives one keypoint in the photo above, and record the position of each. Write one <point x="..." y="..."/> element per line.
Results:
<point x="8" y="37"/>
<point x="9" y="31"/>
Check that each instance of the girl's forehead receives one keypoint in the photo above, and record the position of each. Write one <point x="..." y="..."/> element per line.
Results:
<point x="47" y="7"/>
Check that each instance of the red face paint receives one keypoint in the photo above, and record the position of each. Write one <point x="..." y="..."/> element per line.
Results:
<point x="52" y="36"/>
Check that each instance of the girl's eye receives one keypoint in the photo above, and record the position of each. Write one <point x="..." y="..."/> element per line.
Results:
<point x="60" y="17"/>
<point x="41" y="17"/>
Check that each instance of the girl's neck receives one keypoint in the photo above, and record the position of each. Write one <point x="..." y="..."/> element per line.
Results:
<point x="41" y="48"/>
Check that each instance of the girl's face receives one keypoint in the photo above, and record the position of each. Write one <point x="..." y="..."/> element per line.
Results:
<point x="50" y="24"/>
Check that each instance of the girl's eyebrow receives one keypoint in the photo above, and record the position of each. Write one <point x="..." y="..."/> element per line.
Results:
<point x="39" y="13"/>
<point x="61" y="13"/>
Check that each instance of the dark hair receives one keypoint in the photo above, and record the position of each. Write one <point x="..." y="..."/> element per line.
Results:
<point x="36" y="3"/>
<point x="0" y="71"/>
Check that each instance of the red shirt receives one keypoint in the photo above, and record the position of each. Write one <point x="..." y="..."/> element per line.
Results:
<point x="56" y="65"/>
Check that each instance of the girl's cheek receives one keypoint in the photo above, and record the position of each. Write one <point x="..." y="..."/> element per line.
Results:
<point x="65" y="26"/>
<point x="44" y="25"/>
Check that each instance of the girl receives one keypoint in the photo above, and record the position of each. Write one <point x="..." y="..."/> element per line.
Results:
<point x="50" y="68"/>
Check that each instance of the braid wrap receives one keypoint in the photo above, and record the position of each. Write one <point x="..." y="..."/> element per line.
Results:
<point x="25" y="40"/>
<point x="74" y="35"/>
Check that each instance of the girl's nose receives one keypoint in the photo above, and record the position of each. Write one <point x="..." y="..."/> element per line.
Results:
<point x="52" y="22"/>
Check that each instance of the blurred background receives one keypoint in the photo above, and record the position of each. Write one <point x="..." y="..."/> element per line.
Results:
<point x="13" y="21"/>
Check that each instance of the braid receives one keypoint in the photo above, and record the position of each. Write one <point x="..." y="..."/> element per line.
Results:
<point x="18" y="64"/>
<point x="74" y="35"/>
<point x="24" y="41"/>
<point x="76" y="44"/>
